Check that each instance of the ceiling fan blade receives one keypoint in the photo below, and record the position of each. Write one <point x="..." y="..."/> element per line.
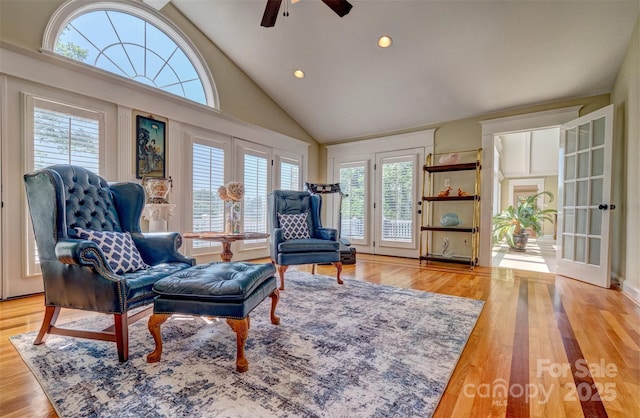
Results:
<point x="270" y="13"/>
<point x="341" y="7"/>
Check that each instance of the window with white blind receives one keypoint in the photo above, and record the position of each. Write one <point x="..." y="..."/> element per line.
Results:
<point x="256" y="190"/>
<point x="289" y="173"/>
<point x="353" y="181"/>
<point x="60" y="134"/>
<point x="65" y="138"/>
<point x="397" y="198"/>
<point x="207" y="177"/>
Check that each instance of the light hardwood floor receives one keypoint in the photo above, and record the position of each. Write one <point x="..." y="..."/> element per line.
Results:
<point x="534" y="329"/>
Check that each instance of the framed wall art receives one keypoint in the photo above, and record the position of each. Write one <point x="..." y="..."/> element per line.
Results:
<point x="151" y="146"/>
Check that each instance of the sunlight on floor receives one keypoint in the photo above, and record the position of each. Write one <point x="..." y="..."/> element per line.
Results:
<point x="540" y="256"/>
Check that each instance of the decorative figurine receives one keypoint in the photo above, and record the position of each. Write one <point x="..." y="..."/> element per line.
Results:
<point x="445" y="192"/>
<point x="462" y="192"/>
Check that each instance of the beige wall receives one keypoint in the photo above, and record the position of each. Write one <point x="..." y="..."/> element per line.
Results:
<point x="625" y="95"/>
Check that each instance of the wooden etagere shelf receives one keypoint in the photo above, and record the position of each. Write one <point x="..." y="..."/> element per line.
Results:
<point x="430" y="198"/>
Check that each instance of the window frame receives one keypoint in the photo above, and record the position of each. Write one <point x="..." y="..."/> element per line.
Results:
<point x="72" y="9"/>
<point x="209" y="139"/>
<point x="31" y="102"/>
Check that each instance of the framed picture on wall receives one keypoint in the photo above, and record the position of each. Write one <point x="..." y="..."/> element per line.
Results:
<point x="151" y="146"/>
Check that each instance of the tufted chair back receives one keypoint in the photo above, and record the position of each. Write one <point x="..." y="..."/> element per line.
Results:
<point x="75" y="272"/>
<point x="294" y="202"/>
<point x="78" y="198"/>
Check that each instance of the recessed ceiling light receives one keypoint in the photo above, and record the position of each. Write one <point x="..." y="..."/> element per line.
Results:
<point x="298" y="74"/>
<point x="385" y="41"/>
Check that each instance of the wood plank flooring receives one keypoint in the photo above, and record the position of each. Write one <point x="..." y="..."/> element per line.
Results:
<point x="544" y="346"/>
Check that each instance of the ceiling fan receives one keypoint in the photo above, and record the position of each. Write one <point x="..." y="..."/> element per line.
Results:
<point x="341" y="7"/>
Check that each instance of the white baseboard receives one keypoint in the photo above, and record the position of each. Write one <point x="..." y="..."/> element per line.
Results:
<point x="627" y="288"/>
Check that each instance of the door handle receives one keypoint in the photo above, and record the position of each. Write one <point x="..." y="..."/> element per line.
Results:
<point x="612" y="206"/>
<point x="604" y="206"/>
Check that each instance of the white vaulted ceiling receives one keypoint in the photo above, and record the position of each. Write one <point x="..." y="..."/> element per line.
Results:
<point x="449" y="59"/>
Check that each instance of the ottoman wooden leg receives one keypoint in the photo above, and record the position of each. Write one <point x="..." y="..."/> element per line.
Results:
<point x="154" y="328"/>
<point x="241" y="328"/>
<point x="275" y="296"/>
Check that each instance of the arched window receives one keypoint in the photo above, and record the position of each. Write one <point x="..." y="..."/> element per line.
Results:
<point x="133" y="41"/>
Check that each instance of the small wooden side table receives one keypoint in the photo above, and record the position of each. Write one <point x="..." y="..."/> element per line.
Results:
<point x="226" y="239"/>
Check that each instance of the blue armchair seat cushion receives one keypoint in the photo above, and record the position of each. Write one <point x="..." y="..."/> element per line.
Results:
<point x="228" y="290"/>
<point x="308" y="245"/>
<point x="139" y="284"/>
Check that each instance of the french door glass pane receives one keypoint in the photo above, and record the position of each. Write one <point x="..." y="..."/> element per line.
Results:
<point x="397" y="199"/>
<point x="595" y="221"/>
<point x="597" y="162"/>
<point x="255" y="195"/>
<point x="594" y="251"/>
<point x="583" y="189"/>
<point x="581" y="221"/>
<point x="598" y="132"/>
<point x="352" y="183"/>
<point x="569" y="220"/>
<point x="571" y="141"/>
<point x="596" y="192"/>
<point x="208" y="176"/>
<point x="567" y="247"/>
<point x="583" y="164"/>
<point x="570" y="167"/>
<point x="581" y="247"/>
<point x="569" y="194"/>
<point x="583" y="137"/>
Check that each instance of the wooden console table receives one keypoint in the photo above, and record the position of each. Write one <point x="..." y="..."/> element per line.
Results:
<point x="226" y="240"/>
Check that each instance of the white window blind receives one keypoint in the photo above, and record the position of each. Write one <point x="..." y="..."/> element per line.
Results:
<point x="352" y="212"/>
<point x="289" y="174"/>
<point x="60" y="134"/>
<point x="64" y="138"/>
<point x="397" y="199"/>
<point x="256" y="190"/>
<point x="208" y="176"/>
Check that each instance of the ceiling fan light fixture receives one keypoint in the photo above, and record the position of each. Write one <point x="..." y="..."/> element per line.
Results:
<point x="298" y="73"/>
<point x="385" y="41"/>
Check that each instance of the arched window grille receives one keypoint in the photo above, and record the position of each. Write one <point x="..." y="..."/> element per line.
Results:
<point x="133" y="41"/>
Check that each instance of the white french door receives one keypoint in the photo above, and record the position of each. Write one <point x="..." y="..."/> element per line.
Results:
<point x="396" y="197"/>
<point x="584" y="188"/>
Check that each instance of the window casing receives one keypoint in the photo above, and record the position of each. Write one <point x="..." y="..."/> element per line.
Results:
<point x="60" y="134"/>
<point x="134" y="41"/>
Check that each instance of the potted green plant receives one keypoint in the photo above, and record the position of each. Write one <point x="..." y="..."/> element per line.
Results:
<point x="512" y="223"/>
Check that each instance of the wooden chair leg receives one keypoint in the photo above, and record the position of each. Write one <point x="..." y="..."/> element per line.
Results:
<point x="339" y="267"/>
<point x="275" y="296"/>
<point x="122" y="336"/>
<point x="50" y="317"/>
<point x="154" y="328"/>
<point x="241" y="328"/>
<point x="313" y="269"/>
<point x="281" y="270"/>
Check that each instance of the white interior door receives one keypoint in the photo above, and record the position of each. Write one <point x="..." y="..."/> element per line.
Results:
<point x="396" y="202"/>
<point x="584" y="188"/>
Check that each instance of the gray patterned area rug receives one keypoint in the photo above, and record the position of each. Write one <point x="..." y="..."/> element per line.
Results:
<point x="359" y="349"/>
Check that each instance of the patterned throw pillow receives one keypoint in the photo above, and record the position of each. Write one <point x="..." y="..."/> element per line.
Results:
<point x="294" y="226"/>
<point x="118" y="248"/>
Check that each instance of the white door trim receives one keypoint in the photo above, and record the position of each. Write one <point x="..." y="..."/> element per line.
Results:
<point x="491" y="128"/>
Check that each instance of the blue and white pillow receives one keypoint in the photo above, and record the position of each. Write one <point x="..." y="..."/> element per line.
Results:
<point x="294" y="226"/>
<point x="118" y="248"/>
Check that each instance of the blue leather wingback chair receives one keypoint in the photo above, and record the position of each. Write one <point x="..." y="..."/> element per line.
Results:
<point x="75" y="272"/>
<point x="322" y="247"/>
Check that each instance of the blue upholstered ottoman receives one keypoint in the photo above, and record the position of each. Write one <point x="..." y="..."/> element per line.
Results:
<point x="228" y="290"/>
